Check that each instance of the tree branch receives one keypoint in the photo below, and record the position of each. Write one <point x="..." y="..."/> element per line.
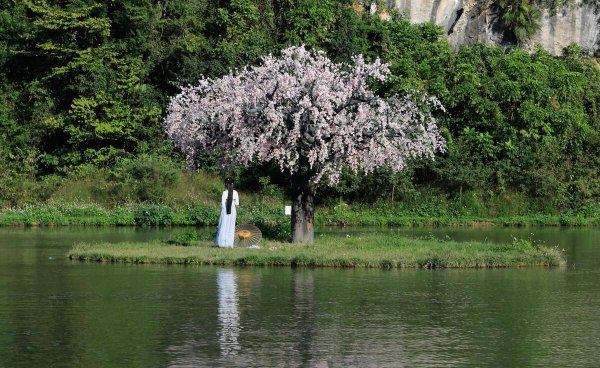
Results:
<point x="270" y="95"/>
<point x="353" y="101"/>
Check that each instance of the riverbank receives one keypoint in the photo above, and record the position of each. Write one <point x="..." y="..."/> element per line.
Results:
<point x="360" y="251"/>
<point x="269" y="217"/>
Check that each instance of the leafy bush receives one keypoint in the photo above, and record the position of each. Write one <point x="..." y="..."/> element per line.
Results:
<point x="274" y="229"/>
<point x="153" y="215"/>
<point x="142" y="179"/>
<point x="203" y="215"/>
<point x="271" y="221"/>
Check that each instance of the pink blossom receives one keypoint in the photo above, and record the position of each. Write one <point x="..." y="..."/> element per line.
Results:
<point x="301" y="108"/>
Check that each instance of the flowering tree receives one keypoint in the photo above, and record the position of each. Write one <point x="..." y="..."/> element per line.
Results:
<point x="309" y="116"/>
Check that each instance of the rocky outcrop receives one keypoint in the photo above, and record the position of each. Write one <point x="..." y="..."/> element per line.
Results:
<point x="469" y="21"/>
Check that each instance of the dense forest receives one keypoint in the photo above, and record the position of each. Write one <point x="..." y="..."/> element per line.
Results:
<point x="85" y="84"/>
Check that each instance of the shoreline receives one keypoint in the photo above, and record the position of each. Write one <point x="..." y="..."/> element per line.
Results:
<point x="413" y="222"/>
<point x="202" y="215"/>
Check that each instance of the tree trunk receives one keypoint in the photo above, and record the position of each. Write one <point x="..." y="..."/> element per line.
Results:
<point x="303" y="214"/>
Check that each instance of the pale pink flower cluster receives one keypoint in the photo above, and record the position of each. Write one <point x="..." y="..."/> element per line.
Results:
<point x="301" y="108"/>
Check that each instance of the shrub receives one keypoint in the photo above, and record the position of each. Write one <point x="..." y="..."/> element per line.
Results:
<point x="147" y="178"/>
<point x="203" y="215"/>
<point x="153" y="215"/>
<point x="271" y="222"/>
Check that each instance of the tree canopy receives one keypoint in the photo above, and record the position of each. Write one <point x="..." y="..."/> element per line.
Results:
<point x="307" y="115"/>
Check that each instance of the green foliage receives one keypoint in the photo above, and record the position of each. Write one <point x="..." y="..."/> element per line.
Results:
<point x="84" y="86"/>
<point x="273" y="227"/>
<point x="308" y="21"/>
<point x="146" y="178"/>
<point x="276" y="226"/>
<point x="246" y="32"/>
<point x="25" y="189"/>
<point x="56" y="213"/>
<point x="190" y="237"/>
<point x="520" y="17"/>
<point x="268" y="189"/>
<point x="142" y="179"/>
<point x="524" y="244"/>
<point x="153" y="215"/>
<point x="203" y="215"/>
<point x="520" y="115"/>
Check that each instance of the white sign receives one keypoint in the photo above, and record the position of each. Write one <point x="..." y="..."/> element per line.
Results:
<point x="288" y="210"/>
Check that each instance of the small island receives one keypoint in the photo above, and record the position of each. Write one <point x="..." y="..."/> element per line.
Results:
<point x="351" y="251"/>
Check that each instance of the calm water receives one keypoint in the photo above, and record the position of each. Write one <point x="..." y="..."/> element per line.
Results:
<point x="58" y="313"/>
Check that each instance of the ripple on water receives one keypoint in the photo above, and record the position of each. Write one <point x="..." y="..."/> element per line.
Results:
<point x="67" y="313"/>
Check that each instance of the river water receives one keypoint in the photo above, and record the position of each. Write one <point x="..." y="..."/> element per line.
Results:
<point x="60" y="313"/>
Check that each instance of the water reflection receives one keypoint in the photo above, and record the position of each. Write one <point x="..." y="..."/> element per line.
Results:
<point x="229" y="315"/>
<point x="202" y="335"/>
<point x="72" y="314"/>
<point x="303" y="300"/>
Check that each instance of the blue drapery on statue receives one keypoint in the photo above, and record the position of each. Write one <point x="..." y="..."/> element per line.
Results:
<point x="226" y="229"/>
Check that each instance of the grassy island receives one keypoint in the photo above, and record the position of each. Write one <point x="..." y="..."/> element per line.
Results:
<point x="369" y="251"/>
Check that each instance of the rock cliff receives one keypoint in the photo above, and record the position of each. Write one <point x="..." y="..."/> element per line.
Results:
<point x="469" y="21"/>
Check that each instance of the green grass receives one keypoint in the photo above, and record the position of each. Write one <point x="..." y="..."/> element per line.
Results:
<point x="405" y="215"/>
<point x="370" y="251"/>
<point x="94" y="198"/>
<point x="265" y="215"/>
<point x="153" y="191"/>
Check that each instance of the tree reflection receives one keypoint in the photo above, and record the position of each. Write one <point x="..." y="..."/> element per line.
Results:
<point x="304" y="310"/>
